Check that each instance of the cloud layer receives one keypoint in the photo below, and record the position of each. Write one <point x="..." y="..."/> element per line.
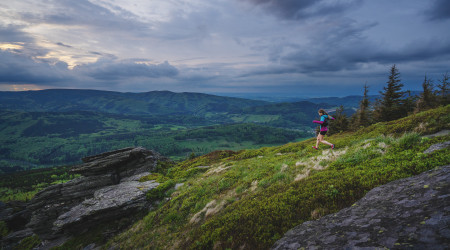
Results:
<point x="295" y="47"/>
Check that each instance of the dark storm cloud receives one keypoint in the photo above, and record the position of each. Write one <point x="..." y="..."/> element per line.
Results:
<point x="346" y="47"/>
<point x="353" y="56"/>
<point x="112" y="70"/>
<point x="341" y="46"/>
<point x="300" y="9"/>
<point x="20" y="69"/>
<point x="440" y="10"/>
<point x="83" y="12"/>
<point x="12" y="34"/>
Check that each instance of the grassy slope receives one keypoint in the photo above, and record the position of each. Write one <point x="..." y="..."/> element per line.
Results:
<point x="251" y="198"/>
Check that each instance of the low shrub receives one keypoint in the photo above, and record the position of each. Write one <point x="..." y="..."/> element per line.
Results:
<point x="160" y="190"/>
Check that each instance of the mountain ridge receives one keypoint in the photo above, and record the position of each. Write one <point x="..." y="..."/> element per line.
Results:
<point x="150" y="103"/>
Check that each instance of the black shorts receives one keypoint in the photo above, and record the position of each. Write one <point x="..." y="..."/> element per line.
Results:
<point x="323" y="132"/>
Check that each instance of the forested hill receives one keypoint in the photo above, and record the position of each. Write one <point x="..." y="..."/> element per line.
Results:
<point x="149" y="103"/>
<point x="56" y="127"/>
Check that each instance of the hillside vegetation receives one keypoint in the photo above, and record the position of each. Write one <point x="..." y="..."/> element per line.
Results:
<point x="36" y="139"/>
<point x="249" y="199"/>
<point x="58" y="127"/>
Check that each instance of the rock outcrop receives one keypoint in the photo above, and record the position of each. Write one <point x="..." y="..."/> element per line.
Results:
<point x="411" y="213"/>
<point x="107" y="191"/>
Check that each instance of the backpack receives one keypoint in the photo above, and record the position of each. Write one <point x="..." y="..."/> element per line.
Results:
<point x="325" y="122"/>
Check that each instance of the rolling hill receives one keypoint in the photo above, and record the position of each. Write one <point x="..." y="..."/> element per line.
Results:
<point x="42" y="139"/>
<point x="149" y="103"/>
<point x="58" y="126"/>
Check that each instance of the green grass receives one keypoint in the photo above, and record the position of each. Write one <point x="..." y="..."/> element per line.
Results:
<point x="254" y="118"/>
<point x="251" y="198"/>
<point x="22" y="186"/>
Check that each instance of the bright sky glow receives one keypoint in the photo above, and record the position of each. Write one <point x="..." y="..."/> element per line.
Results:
<point x="292" y="47"/>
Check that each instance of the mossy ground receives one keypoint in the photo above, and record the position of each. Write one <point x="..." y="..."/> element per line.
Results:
<point x="250" y="198"/>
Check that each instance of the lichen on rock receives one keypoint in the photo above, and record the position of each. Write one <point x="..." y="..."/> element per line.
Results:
<point x="108" y="189"/>
<point x="407" y="213"/>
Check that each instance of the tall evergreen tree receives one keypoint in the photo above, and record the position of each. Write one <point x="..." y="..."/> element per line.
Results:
<point x="427" y="98"/>
<point x="362" y="117"/>
<point x="364" y="112"/>
<point x="444" y="97"/>
<point x="340" y="124"/>
<point x="409" y="103"/>
<point x="391" y="105"/>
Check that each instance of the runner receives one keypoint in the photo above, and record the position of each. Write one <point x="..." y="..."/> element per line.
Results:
<point x="324" y="116"/>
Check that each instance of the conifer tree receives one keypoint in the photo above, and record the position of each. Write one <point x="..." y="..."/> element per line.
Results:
<point x="362" y="117"/>
<point x="364" y="112"/>
<point x="391" y="105"/>
<point x="340" y="124"/>
<point x="427" y="98"/>
<point x="443" y="96"/>
<point x="409" y="103"/>
<point x="354" y="122"/>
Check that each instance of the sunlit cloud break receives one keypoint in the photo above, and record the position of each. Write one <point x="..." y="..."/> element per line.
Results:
<point x="314" y="48"/>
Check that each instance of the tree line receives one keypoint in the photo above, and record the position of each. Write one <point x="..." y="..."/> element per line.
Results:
<point x="394" y="103"/>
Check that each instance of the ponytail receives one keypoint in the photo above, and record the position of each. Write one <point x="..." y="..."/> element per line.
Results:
<point x="323" y="112"/>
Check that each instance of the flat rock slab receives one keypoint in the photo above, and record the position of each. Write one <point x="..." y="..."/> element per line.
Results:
<point x="128" y="195"/>
<point x="437" y="146"/>
<point x="108" y="191"/>
<point x="411" y="213"/>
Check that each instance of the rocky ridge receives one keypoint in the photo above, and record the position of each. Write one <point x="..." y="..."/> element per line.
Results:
<point x="411" y="213"/>
<point x="108" y="191"/>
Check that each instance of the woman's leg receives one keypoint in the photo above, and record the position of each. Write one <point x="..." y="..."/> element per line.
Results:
<point x="325" y="142"/>
<point x="319" y="139"/>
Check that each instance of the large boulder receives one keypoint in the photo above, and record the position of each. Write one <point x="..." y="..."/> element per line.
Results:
<point x="411" y="213"/>
<point x="108" y="190"/>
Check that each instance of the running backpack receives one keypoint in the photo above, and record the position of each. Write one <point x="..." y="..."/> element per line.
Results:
<point x="325" y="123"/>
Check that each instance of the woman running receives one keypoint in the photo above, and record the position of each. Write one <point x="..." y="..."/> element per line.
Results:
<point x="324" y="116"/>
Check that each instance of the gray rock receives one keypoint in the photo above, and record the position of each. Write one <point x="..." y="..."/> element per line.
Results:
<point x="178" y="185"/>
<point x="440" y="133"/>
<point x="437" y="146"/>
<point x="117" y="200"/>
<point x="109" y="190"/>
<point x="15" y="215"/>
<point x="14" y="238"/>
<point x="120" y="163"/>
<point x="412" y="213"/>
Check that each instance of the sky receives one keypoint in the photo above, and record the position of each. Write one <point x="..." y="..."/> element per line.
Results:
<point x="295" y="48"/>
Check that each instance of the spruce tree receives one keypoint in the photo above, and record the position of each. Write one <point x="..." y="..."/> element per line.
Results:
<point x="427" y="98"/>
<point x="409" y="103"/>
<point x="340" y="124"/>
<point x="364" y="112"/>
<point x="391" y="105"/>
<point x="362" y="117"/>
<point x="444" y="97"/>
